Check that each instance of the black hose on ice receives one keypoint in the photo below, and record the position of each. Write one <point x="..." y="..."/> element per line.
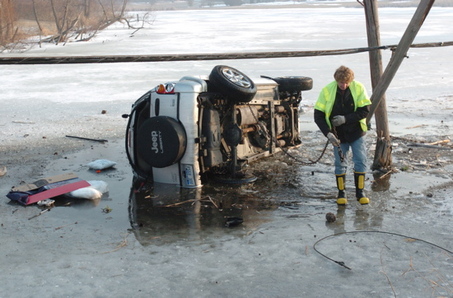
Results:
<point x="341" y="263"/>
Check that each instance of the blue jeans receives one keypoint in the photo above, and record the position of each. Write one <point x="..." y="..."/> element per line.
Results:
<point x="359" y="156"/>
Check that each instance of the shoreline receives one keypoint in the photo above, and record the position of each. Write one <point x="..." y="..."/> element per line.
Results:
<point x="321" y="4"/>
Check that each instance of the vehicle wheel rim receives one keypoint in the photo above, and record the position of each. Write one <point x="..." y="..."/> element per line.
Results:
<point x="236" y="78"/>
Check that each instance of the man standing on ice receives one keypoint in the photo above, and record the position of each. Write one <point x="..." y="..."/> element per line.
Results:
<point x="340" y="113"/>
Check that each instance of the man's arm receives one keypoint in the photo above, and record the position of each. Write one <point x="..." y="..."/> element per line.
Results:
<point x="358" y="115"/>
<point x="320" y="120"/>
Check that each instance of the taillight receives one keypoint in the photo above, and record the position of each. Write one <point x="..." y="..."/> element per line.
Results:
<point x="168" y="88"/>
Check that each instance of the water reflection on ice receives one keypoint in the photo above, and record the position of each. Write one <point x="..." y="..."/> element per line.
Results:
<point x="162" y="213"/>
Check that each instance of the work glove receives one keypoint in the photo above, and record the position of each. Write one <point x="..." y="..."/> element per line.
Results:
<point x="333" y="139"/>
<point x="338" y="120"/>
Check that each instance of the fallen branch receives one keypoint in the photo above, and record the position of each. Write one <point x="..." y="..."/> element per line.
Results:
<point x="177" y="204"/>
<point x="42" y="212"/>
<point x="191" y="201"/>
<point x="446" y="141"/>
<point x="386" y="275"/>
<point x="391" y="171"/>
<point x="428" y="146"/>
<point x="213" y="203"/>
<point x="416" y="126"/>
<point x="24" y="122"/>
<point x="119" y="246"/>
<point x="88" y="139"/>
<point x="415" y="143"/>
<point x="61" y="227"/>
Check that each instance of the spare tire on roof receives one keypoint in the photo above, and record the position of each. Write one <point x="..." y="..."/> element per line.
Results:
<point x="294" y="83"/>
<point x="234" y="84"/>
<point x="161" y="141"/>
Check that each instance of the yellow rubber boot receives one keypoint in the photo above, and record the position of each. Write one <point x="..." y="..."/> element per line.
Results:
<point x="341" y="199"/>
<point x="359" y="179"/>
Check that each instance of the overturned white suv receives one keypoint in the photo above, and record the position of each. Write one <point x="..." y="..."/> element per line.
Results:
<point x="189" y="131"/>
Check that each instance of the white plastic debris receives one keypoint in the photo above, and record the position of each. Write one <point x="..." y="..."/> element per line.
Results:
<point x="101" y="164"/>
<point x="88" y="193"/>
<point x="46" y="202"/>
<point x="100" y="185"/>
<point x="93" y="192"/>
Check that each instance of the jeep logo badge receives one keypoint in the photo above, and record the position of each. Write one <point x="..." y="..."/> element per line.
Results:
<point x="156" y="142"/>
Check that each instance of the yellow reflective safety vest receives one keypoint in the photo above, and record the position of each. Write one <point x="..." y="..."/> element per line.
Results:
<point x="327" y="95"/>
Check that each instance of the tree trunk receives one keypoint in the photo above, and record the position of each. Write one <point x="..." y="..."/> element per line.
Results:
<point x="383" y="150"/>
<point x="35" y="13"/>
<point x="383" y="153"/>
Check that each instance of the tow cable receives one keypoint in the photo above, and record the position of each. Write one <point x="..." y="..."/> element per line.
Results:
<point x="340" y="153"/>
<point x="341" y="263"/>
<point x="304" y="162"/>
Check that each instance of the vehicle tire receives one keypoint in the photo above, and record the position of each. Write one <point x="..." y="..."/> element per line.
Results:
<point x="235" y="85"/>
<point x="294" y="83"/>
<point x="161" y="141"/>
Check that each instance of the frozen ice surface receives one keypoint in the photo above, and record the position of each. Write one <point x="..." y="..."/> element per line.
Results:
<point x="42" y="102"/>
<point x="80" y="251"/>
